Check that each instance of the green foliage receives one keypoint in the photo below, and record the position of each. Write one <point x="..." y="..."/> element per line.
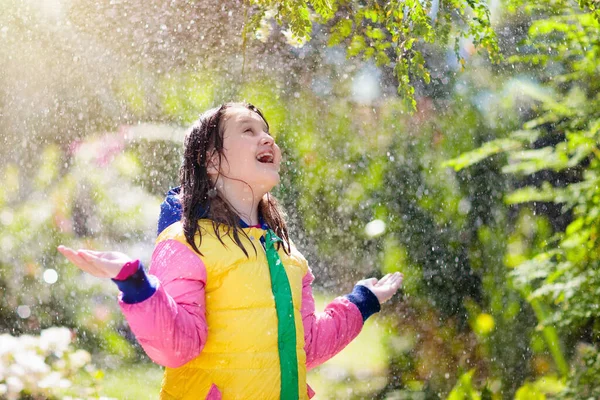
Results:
<point x="583" y="379"/>
<point x="81" y="199"/>
<point x="117" y="383"/>
<point x="592" y="6"/>
<point x="559" y="278"/>
<point x="464" y="389"/>
<point x="487" y="284"/>
<point x="490" y="148"/>
<point x="541" y="389"/>
<point x="296" y="14"/>
<point x="185" y="95"/>
<point x="392" y="33"/>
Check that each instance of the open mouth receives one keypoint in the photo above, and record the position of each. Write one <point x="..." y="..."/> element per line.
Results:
<point x="265" y="158"/>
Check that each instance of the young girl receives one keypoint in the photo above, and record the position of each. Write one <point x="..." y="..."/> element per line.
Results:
<point x="227" y="306"/>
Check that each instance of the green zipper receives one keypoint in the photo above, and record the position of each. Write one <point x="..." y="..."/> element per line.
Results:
<point x="286" y="326"/>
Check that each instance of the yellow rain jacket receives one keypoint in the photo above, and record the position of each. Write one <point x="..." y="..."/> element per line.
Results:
<point x="232" y="327"/>
<point x="241" y="353"/>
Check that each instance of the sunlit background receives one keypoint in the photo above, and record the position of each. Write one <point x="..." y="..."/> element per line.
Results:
<point x="498" y="247"/>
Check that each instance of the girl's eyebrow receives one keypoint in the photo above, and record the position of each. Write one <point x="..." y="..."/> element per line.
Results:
<point x="252" y="121"/>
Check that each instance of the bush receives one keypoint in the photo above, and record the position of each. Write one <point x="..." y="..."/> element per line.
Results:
<point x="44" y="366"/>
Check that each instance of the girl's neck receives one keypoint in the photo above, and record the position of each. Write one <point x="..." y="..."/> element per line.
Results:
<point x="244" y="202"/>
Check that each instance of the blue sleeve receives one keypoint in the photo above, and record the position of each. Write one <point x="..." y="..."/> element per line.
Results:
<point x="365" y="300"/>
<point x="137" y="287"/>
<point x="170" y="210"/>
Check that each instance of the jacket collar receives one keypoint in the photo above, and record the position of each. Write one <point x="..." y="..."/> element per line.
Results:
<point x="171" y="212"/>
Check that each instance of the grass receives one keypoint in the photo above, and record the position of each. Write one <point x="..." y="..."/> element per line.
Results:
<point x="135" y="383"/>
<point x="132" y="382"/>
<point x="358" y="369"/>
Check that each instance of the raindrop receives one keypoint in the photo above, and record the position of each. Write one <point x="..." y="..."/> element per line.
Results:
<point x="464" y="206"/>
<point x="375" y="228"/>
<point x="50" y="276"/>
<point x="24" y="311"/>
<point x="6" y="217"/>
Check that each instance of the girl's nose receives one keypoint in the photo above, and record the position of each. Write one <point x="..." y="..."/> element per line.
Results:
<point x="267" y="139"/>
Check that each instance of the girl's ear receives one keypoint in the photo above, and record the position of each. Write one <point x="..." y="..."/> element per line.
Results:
<point x="213" y="162"/>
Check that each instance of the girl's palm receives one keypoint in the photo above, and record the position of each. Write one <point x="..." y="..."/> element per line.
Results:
<point x="103" y="264"/>
<point x="385" y="287"/>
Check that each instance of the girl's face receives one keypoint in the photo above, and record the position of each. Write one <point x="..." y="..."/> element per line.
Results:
<point x="251" y="154"/>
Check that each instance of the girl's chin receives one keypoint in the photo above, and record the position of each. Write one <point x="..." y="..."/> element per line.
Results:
<point x="268" y="185"/>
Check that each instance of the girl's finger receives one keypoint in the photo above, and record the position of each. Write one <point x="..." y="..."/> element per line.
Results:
<point x="108" y="267"/>
<point x="88" y="254"/>
<point x="368" y="282"/>
<point x="103" y="256"/>
<point x="94" y="262"/>
<point x="385" y="277"/>
<point x="79" y="261"/>
<point x="384" y="280"/>
<point x="65" y="250"/>
<point x="86" y="262"/>
<point x="398" y="285"/>
<point x="70" y="254"/>
<point x="396" y="280"/>
<point x="393" y="283"/>
<point x="93" y="252"/>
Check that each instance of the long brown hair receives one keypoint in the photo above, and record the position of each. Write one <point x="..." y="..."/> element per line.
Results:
<point x="199" y="197"/>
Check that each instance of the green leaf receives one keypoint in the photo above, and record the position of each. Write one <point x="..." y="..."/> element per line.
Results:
<point x="372" y="14"/>
<point x="340" y="31"/>
<point x="488" y="149"/>
<point x="323" y="7"/>
<point x="369" y="52"/>
<point x="527" y="162"/>
<point x="375" y="33"/>
<point x="382" y="59"/>
<point x="356" y="45"/>
<point x="527" y="194"/>
<point x="529" y="392"/>
<point x="463" y="390"/>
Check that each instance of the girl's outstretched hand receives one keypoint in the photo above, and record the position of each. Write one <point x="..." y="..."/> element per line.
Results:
<point x="103" y="264"/>
<point x="385" y="287"/>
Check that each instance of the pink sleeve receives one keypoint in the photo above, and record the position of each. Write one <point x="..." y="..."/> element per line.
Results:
<point x="171" y="324"/>
<point x="327" y="333"/>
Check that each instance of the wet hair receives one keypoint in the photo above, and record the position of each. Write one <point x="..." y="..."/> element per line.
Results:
<point x="200" y="200"/>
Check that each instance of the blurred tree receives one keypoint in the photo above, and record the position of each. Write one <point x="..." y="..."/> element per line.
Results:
<point x="159" y="35"/>
<point x="556" y="151"/>
<point x="70" y="70"/>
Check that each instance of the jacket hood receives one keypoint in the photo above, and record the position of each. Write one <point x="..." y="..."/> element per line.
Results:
<point x="170" y="209"/>
<point x="170" y="212"/>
